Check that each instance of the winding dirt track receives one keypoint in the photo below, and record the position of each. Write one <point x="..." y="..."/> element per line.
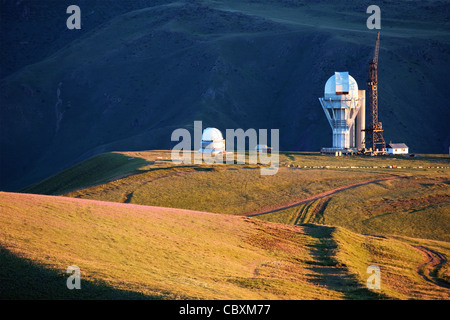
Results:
<point x="431" y="266"/>
<point x="328" y="193"/>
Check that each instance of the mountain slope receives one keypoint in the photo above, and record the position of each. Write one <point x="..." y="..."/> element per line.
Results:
<point x="37" y="29"/>
<point x="389" y="196"/>
<point x="127" y="84"/>
<point x="135" y="251"/>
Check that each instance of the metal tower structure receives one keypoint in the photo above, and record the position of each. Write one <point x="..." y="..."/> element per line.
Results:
<point x="374" y="130"/>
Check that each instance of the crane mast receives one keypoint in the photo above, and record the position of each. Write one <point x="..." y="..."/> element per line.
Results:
<point x="374" y="129"/>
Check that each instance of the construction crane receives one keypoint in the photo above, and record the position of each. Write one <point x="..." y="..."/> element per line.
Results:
<point x="374" y="129"/>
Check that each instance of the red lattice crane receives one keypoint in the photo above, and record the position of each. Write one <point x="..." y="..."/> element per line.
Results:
<point x="374" y="129"/>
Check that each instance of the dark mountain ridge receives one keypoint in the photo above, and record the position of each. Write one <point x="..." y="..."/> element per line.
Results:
<point x="128" y="82"/>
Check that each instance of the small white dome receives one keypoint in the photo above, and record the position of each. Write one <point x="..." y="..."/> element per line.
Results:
<point x="341" y="85"/>
<point x="212" y="134"/>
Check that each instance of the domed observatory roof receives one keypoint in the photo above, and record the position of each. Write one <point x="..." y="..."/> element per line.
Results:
<point x="212" y="134"/>
<point x="212" y="141"/>
<point x="341" y="86"/>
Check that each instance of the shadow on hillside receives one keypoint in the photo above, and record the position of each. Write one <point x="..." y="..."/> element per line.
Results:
<point x="21" y="279"/>
<point x="97" y="170"/>
<point x="328" y="271"/>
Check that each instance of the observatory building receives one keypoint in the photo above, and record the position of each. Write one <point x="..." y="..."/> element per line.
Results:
<point x="212" y="141"/>
<point x="344" y="107"/>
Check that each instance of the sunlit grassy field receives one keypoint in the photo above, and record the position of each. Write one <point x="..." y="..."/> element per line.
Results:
<point x="130" y="251"/>
<point x="104" y="220"/>
<point x="416" y="205"/>
<point x="231" y="189"/>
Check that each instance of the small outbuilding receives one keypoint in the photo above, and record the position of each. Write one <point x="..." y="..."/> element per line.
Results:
<point x="397" y="148"/>
<point x="263" y="148"/>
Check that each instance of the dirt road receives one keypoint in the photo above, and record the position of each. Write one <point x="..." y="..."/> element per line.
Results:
<point x="328" y="193"/>
<point x="430" y="268"/>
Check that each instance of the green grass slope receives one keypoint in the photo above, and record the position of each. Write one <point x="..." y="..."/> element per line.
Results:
<point x="128" y="83"/>
<point x="130" y="251"/>
<point x="415" y="205"/>
<point x="96" y="170"/>
<point x="231" y="189"/>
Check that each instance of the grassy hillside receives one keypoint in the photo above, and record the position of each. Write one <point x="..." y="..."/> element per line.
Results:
<point x="130" y="251"/>
<point x="414" y="203"/>
<point x="128" y="83"/>
<point x="232" y="189"/>
<point x="98" y="169"/>
<point x="416" y="207"/>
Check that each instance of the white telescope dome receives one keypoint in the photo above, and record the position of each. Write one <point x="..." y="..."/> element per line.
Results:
<point x="341" y="85"/>
<point x="212" y="134"/>
<point x="212" y="141"/>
